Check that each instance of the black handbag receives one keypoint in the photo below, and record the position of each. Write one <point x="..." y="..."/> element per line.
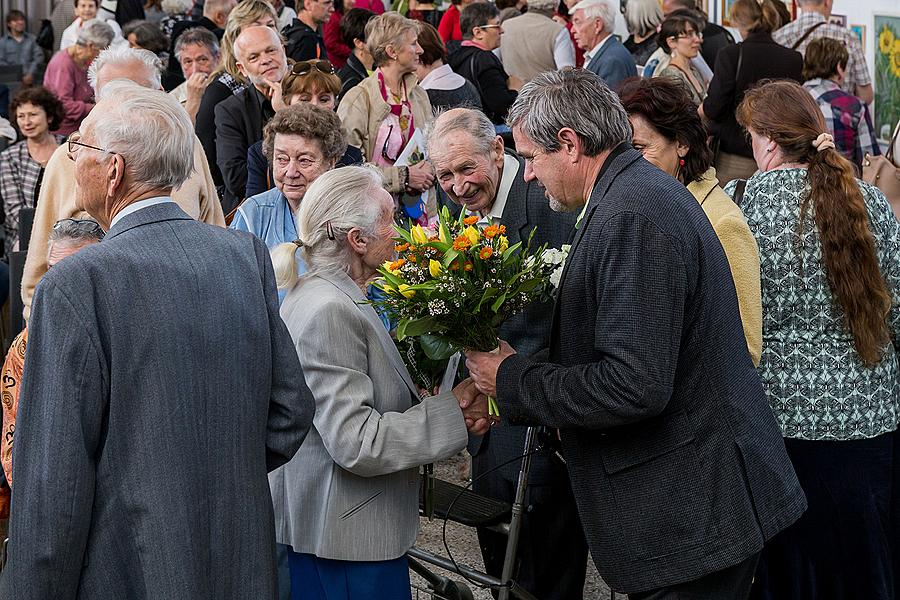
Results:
<point x="44" y="36"/>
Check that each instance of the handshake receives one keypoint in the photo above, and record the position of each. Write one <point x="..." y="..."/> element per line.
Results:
<point x="474" y="405"/>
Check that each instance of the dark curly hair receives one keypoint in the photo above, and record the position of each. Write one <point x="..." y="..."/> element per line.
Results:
<point x="38" y="95"/>
<point x="666" y="106"/>
<point x="307" y="121"/>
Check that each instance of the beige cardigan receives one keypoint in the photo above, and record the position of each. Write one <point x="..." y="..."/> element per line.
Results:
<point x="197" y="197"/>
<point x="740" y="248"/>
<point x="362" y="111"/>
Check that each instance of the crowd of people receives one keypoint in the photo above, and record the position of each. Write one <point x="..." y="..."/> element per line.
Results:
<point x="205" y="404"/>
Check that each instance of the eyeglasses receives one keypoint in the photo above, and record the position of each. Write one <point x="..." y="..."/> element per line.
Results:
<point x="384" y="149"/>
<point x="74" y="142"/>
<point x="489" y="26"/>
<point x="305" y="66"/>
<point x="87" y="226"/>
<point x="689" y="35"/>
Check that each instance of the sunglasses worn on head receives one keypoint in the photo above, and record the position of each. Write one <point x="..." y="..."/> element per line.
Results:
<point x="305" y="66"/>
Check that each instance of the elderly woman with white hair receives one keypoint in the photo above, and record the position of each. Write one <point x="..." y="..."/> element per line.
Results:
<point x="642" y="17"/>
<point x="381" y="114"/>
<point x="66" y="74"/>
<point x="348" y="502"/>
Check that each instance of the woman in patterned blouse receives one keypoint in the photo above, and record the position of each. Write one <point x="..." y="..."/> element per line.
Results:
<point x="830" y="273"/>
<point x="36" y="113"/>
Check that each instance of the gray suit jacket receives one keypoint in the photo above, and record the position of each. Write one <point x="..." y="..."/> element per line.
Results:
<point x="351" y="491"/>
<point x="614" y="63"/>
<point x="160" y="387"/>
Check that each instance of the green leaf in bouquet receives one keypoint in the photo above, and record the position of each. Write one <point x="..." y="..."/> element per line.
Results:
<point x="529" y="285"/>
<point x="488" y="294"/>
<point x="415" y="327"/>
<point x="449" y="256"/>
<point x="403" y="233"/>
<point x="436" y="348"/>
<point x="391" y="278"/>
<point x="510" y="252"/>
<point x="498" y="302"/>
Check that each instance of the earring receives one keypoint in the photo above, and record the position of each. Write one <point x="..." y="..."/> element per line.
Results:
<point x="680" y="162"/>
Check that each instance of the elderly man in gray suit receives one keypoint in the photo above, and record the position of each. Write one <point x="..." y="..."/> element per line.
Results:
<point x="149" y="422"/>
<point x="474" y="171"/>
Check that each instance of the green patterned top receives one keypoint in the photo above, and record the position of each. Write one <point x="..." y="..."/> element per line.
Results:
<point x="816" y="383"/>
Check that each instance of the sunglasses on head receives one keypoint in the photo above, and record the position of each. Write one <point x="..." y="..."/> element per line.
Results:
<point x="305" y="66"/>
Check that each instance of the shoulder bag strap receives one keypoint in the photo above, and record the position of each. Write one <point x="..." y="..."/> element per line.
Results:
<point x="890" y="149"/>
<point x="806" y="35"/>
<point x="739" y="191"/>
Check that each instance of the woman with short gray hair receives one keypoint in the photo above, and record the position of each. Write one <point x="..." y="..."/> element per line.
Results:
<point x="66" y="74"/>
<point x="348" y="502"/>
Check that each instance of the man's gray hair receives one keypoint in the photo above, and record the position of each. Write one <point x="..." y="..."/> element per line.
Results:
<point x="542" y="5"/>
<point x="598" y="9"/>
<point x="150" y="129"/>
<point x="96" y="32"/>
<point x="336" y="202"/>
<point x="117" y="55"/>
<point x="74" y="232"/>
<point x="573" y="98"/>
<point x="176" y="7"/>
<point x="643" y="16"/>
<point x="473" y="122"/>
<point x="197" y="36"/>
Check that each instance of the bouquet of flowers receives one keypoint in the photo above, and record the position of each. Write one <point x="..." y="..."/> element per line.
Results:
<point x="451" y="287"/>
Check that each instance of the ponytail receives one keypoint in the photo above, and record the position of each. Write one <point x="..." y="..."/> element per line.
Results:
<point x="848" y="251"/>
<point x="787" y="114"/>
<point x="284" y="262"/>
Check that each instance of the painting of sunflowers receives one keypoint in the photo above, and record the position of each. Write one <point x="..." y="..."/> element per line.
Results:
<point x="887" y="74"/>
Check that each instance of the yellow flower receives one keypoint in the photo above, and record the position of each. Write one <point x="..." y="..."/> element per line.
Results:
<point x="441" y="235"/>
<point x="503" y="243"/>
<point x="886" y="40"/>
<point x="472" y="234"/>
<point x="405" y="291"/>
<point x="434" y="267"/>
<point x="895" y="59"/>
<point x="418" y="235"/>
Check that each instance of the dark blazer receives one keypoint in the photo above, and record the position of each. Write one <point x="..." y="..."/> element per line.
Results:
<point x="239" y="125"/>
<point x="163" y="374"/>
<point x="528" y="332"/>
<point x="613" y="63"/>
<point x="205" y="126"/>
<point x="760" y="57"/>
<point x="676" y="461"/>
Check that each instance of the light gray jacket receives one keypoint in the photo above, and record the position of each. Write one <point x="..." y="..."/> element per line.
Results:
<point x="351" y="491"/>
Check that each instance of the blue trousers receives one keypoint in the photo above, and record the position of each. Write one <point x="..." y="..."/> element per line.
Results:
<point x="314" y="578"/>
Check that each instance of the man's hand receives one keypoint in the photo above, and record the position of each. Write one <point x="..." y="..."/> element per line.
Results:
<point x="275" y="96"/>
<point x="421" y="176"/>
<point x="196" y="85"/>
<point x="474" y="406"/>
<point x="483" y="367"/>
<point x="27" y="79"/>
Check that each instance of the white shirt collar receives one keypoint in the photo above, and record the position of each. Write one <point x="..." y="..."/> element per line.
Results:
<point x="589" y="55"/>
<point x="510" y="170"/>
<point x="136" y="206"/>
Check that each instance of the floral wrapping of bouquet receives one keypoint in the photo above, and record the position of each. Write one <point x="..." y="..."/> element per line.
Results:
<point x="453" y="285"/>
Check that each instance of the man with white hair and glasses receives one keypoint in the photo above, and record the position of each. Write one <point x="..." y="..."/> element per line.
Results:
<point x="196" y="196"/>
<point x="534" y="42"/>
<point x="142" y="452"/>
<point x="593" y="23"/>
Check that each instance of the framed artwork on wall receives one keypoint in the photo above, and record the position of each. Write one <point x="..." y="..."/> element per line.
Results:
<point x="860" y="31"/>
<point x="887" y="74"/>
<point x="838" y="20"/>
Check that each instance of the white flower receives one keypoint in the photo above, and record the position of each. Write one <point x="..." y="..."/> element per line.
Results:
<point x="559" y="259"/>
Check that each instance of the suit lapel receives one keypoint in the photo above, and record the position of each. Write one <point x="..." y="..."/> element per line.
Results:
<point x="342" y="282"/>
<point x="605" y="180"/>
<point x="515" y="213"/>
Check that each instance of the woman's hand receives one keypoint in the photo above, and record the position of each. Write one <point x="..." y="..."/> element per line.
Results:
<point x="421" y="176"/>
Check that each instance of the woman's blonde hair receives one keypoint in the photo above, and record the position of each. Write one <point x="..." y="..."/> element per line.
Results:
<point x="335" y="203"/>
<point x="387" y="30"/>
<point x="245" y="13"/>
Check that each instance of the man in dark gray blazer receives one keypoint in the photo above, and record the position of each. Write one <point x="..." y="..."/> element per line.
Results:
<point x="676" y="461"/>
<point x="475" y="172"/>
<point x="161" y="387"/>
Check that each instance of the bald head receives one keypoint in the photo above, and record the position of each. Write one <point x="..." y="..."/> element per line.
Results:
<point x="260" y="56"/>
